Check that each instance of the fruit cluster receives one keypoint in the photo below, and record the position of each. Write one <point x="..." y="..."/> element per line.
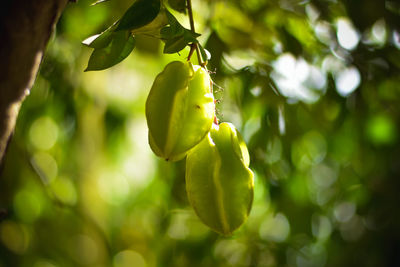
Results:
<point x="180" y="111"/>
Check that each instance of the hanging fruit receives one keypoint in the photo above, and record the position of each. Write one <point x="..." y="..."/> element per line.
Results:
<point x="219" y="182"/>
<point x="179" y="109"/>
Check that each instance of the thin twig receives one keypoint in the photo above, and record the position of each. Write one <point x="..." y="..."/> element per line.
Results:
<point x="190" y="14"/>
<point x="191" y="21"/>
<point x="192" y="49"/>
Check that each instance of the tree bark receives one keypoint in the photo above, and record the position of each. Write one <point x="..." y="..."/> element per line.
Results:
<point x="25" y="29"/>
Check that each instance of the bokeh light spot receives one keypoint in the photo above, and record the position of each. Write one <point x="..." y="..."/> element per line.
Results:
<point x="14" y="236"/>
<point x="323" y="175"/>
<point x="239" y="60"/>
<point x="311" y="255"/>
<point x="64" y="190"/>
<point x="83" y="249"/>
<point x="321" y="226"/>
<point x="274" y="150"/>
<point x="347" y="81"/>
<point x="309" y="150"/>
<point x="250" y="128"/>
<point x="352" y="229"/>
<point x="396" y="39"/>
<point x="323" y="31"/>
<point x="275" y="229"/>
<point x="347" y="35"/>
<point x="129" y="258"/>
<point x="27" y="206"/>
<point x="43" y="133"/>
<point x="296" y="78"/>
<point x="178" y="228"/>
<point x="139" y="164"/>
<point x="113" y="187"/>
<point x="379" y="32"/>
<point x="45" y="165"/>
<point x="44" y="263"/>
<point x="234" y="252"/>
<point x="344" y="211"/>
<point x="381" y="130"/>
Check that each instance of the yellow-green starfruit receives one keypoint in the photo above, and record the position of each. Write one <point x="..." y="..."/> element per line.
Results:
<point x="219" y="182"/>
<point x="179" y="109"/>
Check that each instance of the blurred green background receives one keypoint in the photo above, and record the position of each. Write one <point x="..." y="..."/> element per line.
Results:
<point x="314" y="88"/>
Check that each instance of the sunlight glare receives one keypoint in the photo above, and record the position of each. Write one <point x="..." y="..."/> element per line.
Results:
<point x="293" y="77"/>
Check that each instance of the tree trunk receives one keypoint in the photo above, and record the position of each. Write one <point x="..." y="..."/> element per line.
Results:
<point x="25" y="29"/>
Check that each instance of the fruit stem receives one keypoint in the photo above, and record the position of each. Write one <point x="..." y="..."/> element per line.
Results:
<point x="216" y="122"/>
<point x="194" y="45"/>
<point x="192" y="49"/>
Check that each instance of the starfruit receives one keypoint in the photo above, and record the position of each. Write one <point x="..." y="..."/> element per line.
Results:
<point x="179" y="109"/>
<point x="219" y="182"/>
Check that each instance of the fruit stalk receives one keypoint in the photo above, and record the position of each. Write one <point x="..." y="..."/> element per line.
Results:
<point x="194" y="46"/>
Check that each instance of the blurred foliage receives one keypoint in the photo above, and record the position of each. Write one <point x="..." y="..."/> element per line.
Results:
<point x="314" y="87"/>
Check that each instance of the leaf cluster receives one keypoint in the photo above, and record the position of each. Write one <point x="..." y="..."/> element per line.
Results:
<point x="143" y="17"/>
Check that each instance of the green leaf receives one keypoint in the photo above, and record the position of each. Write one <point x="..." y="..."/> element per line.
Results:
<point x="174" y="45"/>
<point x="175" y="36"/>
<point x="190" y="36"/>
<point x="154" y="26"/>
<point x="118" y="49"/>
<point x="139" y="14"/>
<point x="177" y="43"/>
<point x="178" y="5"/>
<point x="101" y="40"/>
<point x="169" y="32"/>
<point x="176" y="27"/>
